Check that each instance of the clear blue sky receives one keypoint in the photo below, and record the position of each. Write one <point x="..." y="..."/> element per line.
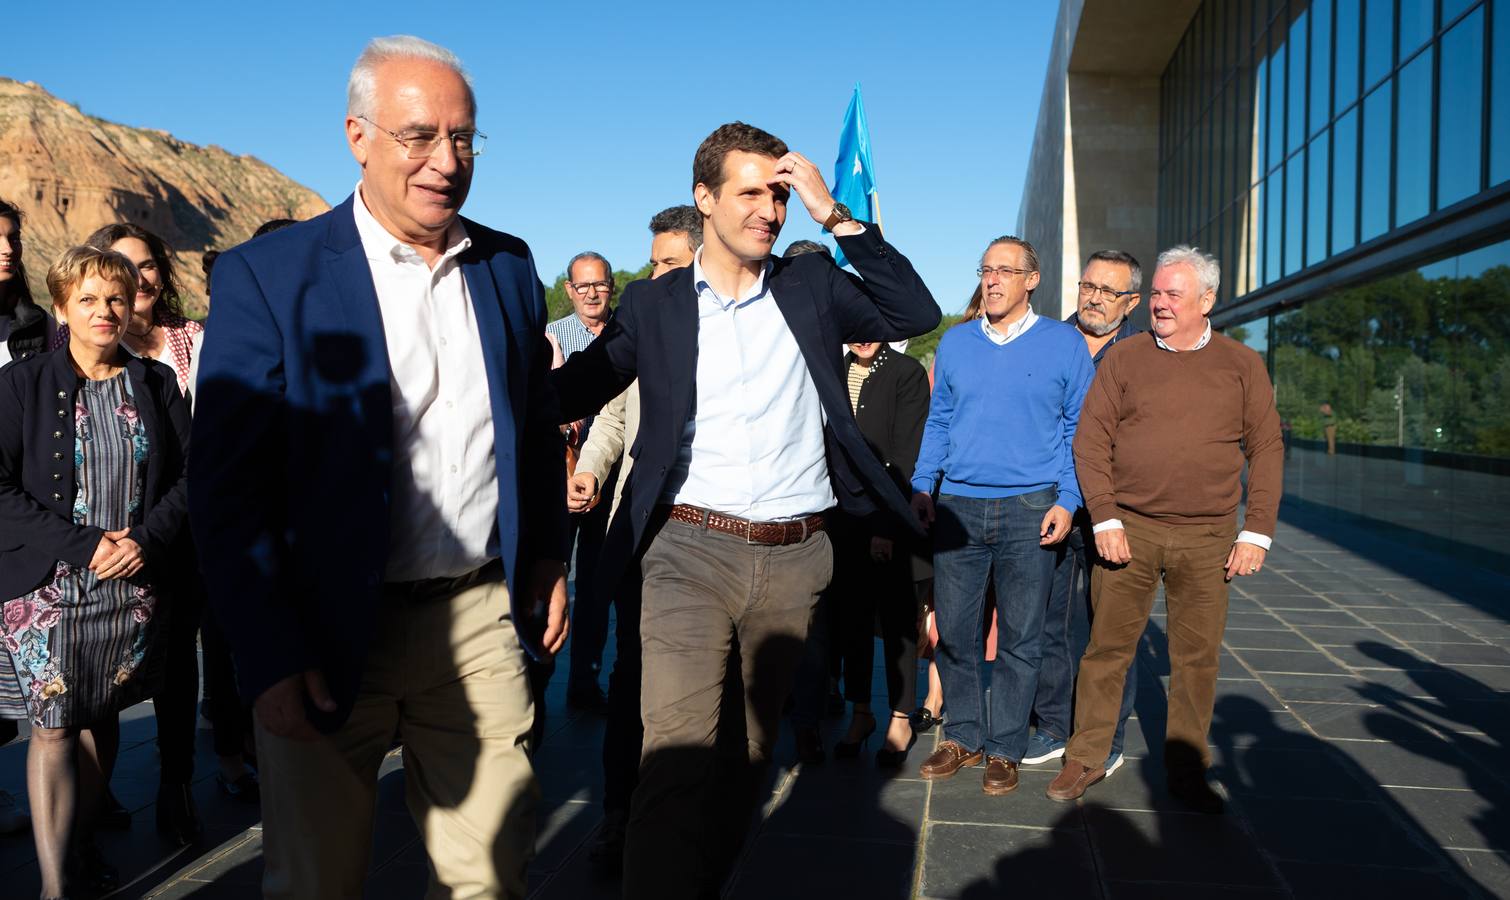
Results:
<point x="593" y="110"/>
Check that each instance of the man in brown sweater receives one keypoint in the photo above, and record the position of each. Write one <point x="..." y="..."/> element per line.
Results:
<point x="1164" y="432"/>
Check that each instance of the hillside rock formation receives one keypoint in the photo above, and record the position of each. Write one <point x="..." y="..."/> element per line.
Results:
<point x="72" y="173"/>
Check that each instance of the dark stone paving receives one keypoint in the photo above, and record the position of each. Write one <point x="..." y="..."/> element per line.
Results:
<point x="1361" y="736"/>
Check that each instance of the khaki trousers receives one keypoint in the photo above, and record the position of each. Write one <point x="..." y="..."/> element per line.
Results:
<point x="445" y="675"/>
<point x="1191" y="560"/>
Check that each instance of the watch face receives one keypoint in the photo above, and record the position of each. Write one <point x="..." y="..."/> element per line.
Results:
<point x="843" y="211"/>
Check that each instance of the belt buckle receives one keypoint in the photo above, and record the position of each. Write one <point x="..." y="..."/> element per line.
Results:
<point x="749" y="532"/>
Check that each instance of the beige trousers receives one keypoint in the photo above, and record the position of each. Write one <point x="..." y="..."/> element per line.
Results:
<point x="445" y="675"/>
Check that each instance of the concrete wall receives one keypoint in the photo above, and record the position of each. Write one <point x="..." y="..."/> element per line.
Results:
<point x="1049" y="190"/>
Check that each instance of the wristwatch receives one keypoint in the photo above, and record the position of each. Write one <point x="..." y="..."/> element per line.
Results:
<point x="840" y="214"/>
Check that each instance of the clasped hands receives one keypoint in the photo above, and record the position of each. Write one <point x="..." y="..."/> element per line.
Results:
<point x="116" y="556"/>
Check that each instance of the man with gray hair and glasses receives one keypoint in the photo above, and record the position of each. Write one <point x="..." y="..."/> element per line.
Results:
<point x="1108" y="293"/>
<point x="1164" y="433"/>
<point x="378" y="499"/>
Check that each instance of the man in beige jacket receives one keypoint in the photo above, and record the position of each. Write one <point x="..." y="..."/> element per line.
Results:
<point x="676" y="233"/>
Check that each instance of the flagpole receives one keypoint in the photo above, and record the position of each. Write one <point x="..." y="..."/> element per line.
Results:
<point x="875" y="206"/>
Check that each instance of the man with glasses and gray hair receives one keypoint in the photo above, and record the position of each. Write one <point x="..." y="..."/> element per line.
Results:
<point x="1168" y="425"/>
<point x="379" y="501"/>
<point x="1108" y="293"/>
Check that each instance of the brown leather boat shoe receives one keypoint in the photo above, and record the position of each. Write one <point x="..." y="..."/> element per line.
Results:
<point x="1072" y="781"/>
<point x="949" y="758"/>
<point x="1001" y="777"/>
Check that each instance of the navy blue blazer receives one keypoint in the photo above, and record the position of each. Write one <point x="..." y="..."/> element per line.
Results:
<point x="293" y="423"/>
<point x="37" y="486"/>
<point x="653" y="336"/>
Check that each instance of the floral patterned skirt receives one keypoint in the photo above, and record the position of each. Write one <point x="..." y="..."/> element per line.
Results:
<point x="78" y="649"/>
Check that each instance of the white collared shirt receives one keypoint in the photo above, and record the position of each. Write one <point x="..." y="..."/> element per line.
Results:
<point x="1243" y="537"/>
<point x="753" y="446"/>
<point x="443" y="509"/>
<point x="1014" y="331"/>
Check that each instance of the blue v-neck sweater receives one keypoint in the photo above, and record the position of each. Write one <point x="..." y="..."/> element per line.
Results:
<point x="1002" y="418"/>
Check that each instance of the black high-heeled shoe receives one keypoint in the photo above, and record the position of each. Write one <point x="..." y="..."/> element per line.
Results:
<point x="887" y="758"/>
<point x="809" y="746"/>
<point x="177" y="820"/>
<point x="923" y="720"/>
<point x="87" y="866"/>
<point x="851" y="749"/>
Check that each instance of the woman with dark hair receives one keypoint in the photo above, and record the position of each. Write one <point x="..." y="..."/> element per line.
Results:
<point x="23" y="324"/>
<point x="93" y="448"/>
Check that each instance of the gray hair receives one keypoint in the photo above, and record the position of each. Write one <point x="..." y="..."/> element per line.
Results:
<point x="798" y="248"/>
<point x="1207" y="270"/>
<point x="685" y="219"/>
<point x="589" y="254"/>
<point x="1121" y="258"/>
<point x="1030" y="256"/>
<point x="361" y="87"/>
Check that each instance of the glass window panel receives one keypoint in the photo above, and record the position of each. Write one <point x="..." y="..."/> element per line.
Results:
<point x="1253" y="239"/>
<point x="1296" y="135"/>
<point x="1276" y="98"/>
<point x="1345" y="81"/>
<point x="1345" y="182"/>
<point x="1413" y="141"/>
<point x="1261" y="111"/>
<point x="1321" y="63"/>
<point x="1451" y="9"/>
<point x="1374" y="194"/>
<point x="1416" y="24"/>
<point x="1295" y="206"/>
<point x="1460" y="122"/>
<point x="1236" y="52"/>
<point x="1378" y="40"/>
<point x="1499" y="96"/>
<point x="1317" y="190"/>
<point x="1274" y="240"/>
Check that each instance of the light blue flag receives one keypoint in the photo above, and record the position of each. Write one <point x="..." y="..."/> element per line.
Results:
<point x="854" y="176"/>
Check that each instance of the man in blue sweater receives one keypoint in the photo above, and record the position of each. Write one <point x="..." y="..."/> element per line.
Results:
<point x="1006" y="398"/>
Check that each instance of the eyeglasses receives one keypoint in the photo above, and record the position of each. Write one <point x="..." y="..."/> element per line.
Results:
<point x="590" y="287"/>
<point x="1003" y="271"/>
<point x="1088" y="289"/>
<point x="423" y="144"/>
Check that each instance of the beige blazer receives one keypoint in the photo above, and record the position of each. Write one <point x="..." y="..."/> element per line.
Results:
<point x="612" y="434"/>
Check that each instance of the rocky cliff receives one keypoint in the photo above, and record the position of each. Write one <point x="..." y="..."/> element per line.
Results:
<point x="71" y="173"/>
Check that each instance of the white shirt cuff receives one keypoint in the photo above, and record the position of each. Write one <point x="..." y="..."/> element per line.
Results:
<point x="1108" y="525"/>
<point x="1254" y="538"/>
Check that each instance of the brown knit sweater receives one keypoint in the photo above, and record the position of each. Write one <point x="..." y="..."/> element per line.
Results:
<point x="1164" y="435"/>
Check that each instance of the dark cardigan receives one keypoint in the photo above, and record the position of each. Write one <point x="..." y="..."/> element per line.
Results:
<point x="892" y="409"/>
<point x="37" y="487"/>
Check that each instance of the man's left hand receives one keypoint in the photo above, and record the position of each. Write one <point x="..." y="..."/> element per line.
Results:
<point x="1245" y="559"/>
<point x="546" y="603"/>
<point x="1055" y="526"/>
<point x="797" y="172"/>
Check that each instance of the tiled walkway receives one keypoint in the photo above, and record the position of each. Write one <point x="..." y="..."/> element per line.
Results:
<point x="1361" y="732"/>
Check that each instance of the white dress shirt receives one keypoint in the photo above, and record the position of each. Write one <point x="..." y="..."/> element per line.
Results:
<point x="443" y="509"/>
<point x="753" y="446"/>
<point x="1243" y="537"/>
<point x="1014" y="331"/>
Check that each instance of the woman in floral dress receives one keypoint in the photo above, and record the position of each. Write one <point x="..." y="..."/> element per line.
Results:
<point x="93" y="445"/>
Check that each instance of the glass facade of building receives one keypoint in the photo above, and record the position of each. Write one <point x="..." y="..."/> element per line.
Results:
<point x="1304" y="143"/>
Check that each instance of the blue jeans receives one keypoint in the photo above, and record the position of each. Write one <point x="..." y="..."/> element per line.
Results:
<point x="974" y="538"/>
<point x="1066" y="633"/>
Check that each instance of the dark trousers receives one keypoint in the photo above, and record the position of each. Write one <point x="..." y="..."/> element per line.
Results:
<point x="866" y="592"/>
<point x="176" y="704"/>
<point x="624" y="733"/>
<point x="230" y="717"/>
<point x="590" y="603"/>
<point x="1066" y="633"/>
<point x="704" y="595"/>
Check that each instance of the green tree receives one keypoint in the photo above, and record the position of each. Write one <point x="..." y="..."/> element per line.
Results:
<point x="558" y="304"/>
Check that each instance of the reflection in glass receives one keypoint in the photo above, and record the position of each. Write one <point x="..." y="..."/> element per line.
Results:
<point x="1345" y="182"/>
<point x="1295" y="205"/>
<point x="1374" y="193"/>
<point x="1316" y="201"/>
<point x="1275" y="224"/>
<point x="1451" y="8"/>
<point x="1413" y="142"/>
<point x="1297" y="101"/>
<point x="1378" y="40"/>
<point x="1345" y="89"/>
<point x="1499" y="91"/>
<point x="1321" y="64"/>
<point x="1460" y="117"/>
<point x="1276" y="100"/>
<point x="1415" y="25"/>
<point x="1260" y="112"/>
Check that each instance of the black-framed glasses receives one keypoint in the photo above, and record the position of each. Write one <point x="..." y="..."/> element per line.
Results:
<point x="590" y="287"/>
<point x="1003" y="271"/>
<point x="1090" y="289"/>
<point x="423" y="144"/>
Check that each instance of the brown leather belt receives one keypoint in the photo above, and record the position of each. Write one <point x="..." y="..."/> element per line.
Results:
<point x="775" y="534"/>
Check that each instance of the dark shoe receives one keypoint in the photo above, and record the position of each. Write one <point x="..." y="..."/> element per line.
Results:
<point x="949" y="758"/>
<point x="112" y="815"/>
<point x="923" y="720"/>
<point x="810" y="746"/>
<point x="606" y="853"/>
<point x="1000" y="778"/>
<point x="1193" y="790"/>
<point x="177" y="819"/>
<point x="851" y="749"/>
<point x="87" y="867"/>
<point x="892" y="758"/>
<point x="1072" y="781"/>
<point x="588" y="697"/>
<point x="245" y="789"/>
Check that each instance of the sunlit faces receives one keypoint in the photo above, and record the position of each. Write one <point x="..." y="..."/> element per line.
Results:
<point x="590" y="286"/>
<point x="746" y="213"/>
<point x="1099" y="314"/>
<point x="10" y="249"/>
<point x="1005" y="293"/>
<point x="151" y="285"/>
<point x="865" y="351"/>
<point x="414" y="199"/>
<point x="97" y="311"/>
<point x="1178" y="306"/>
<point x="669" y="250"/>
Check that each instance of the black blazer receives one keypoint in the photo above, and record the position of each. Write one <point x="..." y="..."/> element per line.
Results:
<point x="891" y="413"/>
<point x="653" y="336"/>
<point x="28" y="332"/>
<point x="37" y="487"/>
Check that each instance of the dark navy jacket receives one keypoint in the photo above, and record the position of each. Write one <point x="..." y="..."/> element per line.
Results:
<point x="293" y="423"/>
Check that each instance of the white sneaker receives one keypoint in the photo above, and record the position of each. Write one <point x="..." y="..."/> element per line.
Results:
<point x="1113" y="763"/>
